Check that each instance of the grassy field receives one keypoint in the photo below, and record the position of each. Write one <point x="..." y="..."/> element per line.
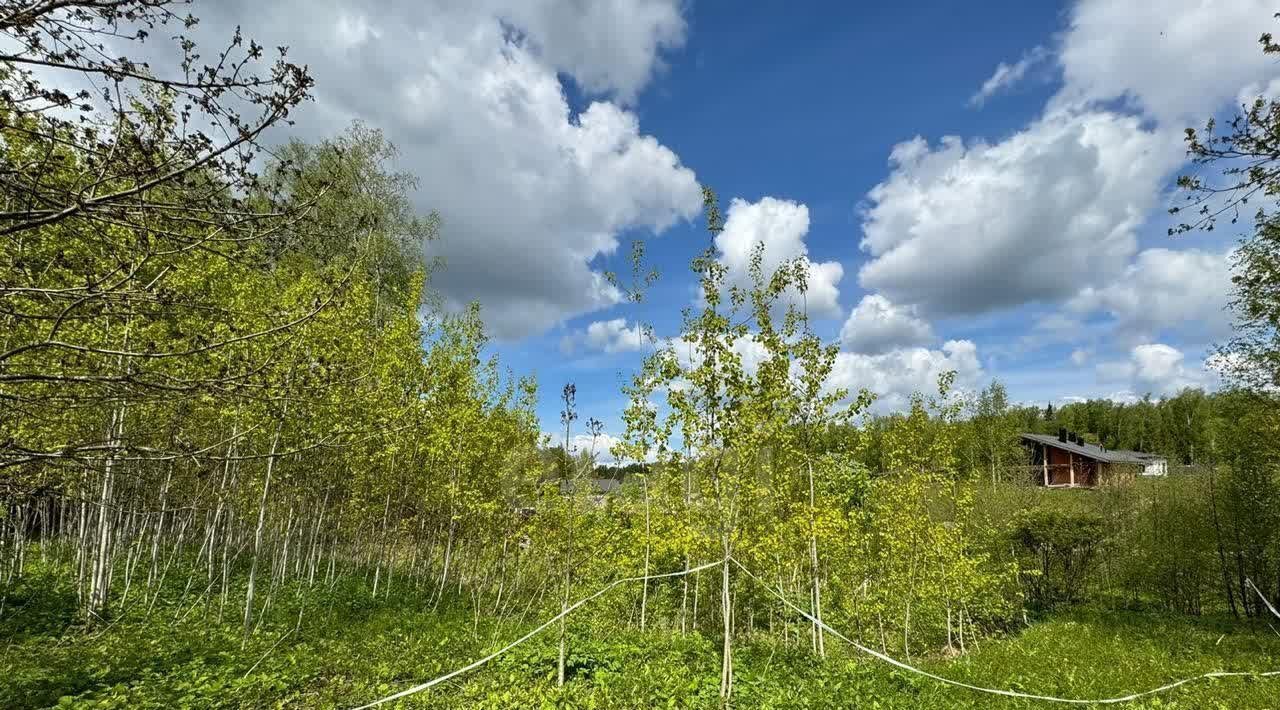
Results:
<point x="347" y="652"/>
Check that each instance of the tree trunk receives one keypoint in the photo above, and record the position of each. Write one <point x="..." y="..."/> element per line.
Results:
<point x="818" y="636"/>
<point x="726" y="611"/>
<point x="448" y="556"/>
<point x="100" y="578"/>
<point x="382" y="545"/>
<point x="257" y="535"/>
<point x="644" y="594"/>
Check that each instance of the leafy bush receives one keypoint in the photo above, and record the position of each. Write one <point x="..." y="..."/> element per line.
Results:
<point x="1064" y="543"/>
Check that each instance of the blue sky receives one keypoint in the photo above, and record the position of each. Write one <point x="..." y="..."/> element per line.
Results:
<point x="806" y="106"/>
<point x="977" y="186"/>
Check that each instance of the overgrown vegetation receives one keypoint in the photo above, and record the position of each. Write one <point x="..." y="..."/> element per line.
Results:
<point x="351" y="649"/>
<point x="247" y="458"/>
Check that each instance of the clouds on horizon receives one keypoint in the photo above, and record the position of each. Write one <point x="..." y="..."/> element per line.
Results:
<point x="895" y="375"/>
<point x="1157" y="369"/>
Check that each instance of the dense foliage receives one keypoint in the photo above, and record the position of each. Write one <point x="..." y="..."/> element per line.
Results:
<point x="247" y="457"/>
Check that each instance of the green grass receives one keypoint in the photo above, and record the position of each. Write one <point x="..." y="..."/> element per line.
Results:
<point x="349" y="652"/>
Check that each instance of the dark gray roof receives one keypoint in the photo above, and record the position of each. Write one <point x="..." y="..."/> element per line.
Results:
<point x="608" y="485"/>
<point x="1094" y="451"/>
<point x="594" y="485"/>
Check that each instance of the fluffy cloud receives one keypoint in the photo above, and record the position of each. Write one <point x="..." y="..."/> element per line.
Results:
<point x="1178" y="64"/>
<point x="606" y="45"/>
<point x="530" y="192"/>
<point x="1006" y="75"/>
<point x="876" y="325"/>
<point x="893" y="376"/>
<point x="781" y="225"/>
<point x="609" y="336"/>
<point x="600" y="446"/>
<point x="749" y="351"/>
<point x="1157" y="369"/>
<point x="1165" y="290"/>
<point x="964" y="229"/>
<point x="1049" y="214"/>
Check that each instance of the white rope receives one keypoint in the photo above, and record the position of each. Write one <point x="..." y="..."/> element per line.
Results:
<point x="865" y="649"/>
<point x="1262" y="596"/>
<point x="995" y="691"/>
<point x="476" y="664"/>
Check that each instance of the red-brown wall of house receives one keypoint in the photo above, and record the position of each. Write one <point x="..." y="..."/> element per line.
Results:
<point x="1060" y="465"/>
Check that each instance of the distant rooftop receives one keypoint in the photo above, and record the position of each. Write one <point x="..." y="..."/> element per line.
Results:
<point x="594" y="485"/>
<point x="1094" y="451"/>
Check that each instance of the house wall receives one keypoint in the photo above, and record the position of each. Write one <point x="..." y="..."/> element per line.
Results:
<point x="1156" y="468"/>
<point x="1086" y="472"/>
<point x="1059" y="466"/>
<point x="1067" y="468"/>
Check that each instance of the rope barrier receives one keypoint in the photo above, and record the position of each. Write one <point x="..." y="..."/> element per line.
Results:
<point x="996" y="691"/>
<point x="476" y="664"/>
<point x="865" y="649"/>
<point x="1262" y="596"/>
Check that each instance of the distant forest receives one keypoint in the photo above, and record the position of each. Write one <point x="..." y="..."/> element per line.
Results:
<point x="1193" y="427"/>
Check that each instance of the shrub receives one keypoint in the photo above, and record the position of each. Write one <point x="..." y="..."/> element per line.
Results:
<point x="1063" y="543"/>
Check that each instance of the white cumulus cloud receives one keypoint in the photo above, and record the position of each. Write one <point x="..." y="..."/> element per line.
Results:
<point x="893" y="376"/>
<point x="606" y="45"/>
<point x="876" y="325"/>
<point x="600" y="447"/>
<point x="609" y="336"/>
<point x="781" y="225"/>
<point x="969" y="228"/>
<point x="1177" y="63"/>
<point x="1165" y="290"/>
<point x="1157" y="369"/>
<point x="1049" y="215"/>
<point x="530" y="191"/>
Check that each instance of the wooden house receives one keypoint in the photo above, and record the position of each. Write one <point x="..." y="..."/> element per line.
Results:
<point x="1066" y="461"/>
<point x="597" y="490"/>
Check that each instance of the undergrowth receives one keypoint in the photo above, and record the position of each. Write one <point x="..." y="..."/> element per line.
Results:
<point x="348" y="650"/>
